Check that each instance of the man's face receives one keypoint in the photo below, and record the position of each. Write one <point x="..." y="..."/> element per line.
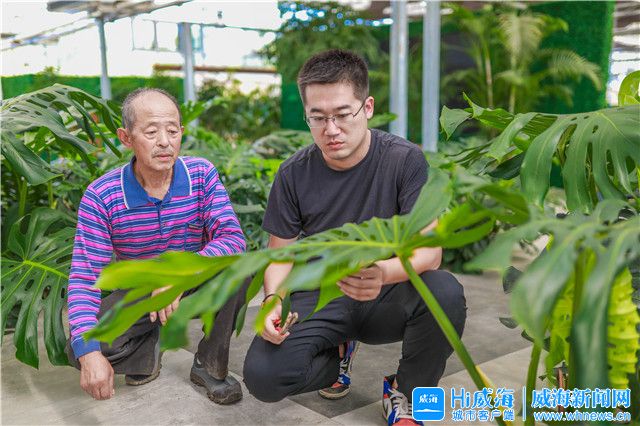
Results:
<point x="156" y="133"/>
<point x="342" y="145"/>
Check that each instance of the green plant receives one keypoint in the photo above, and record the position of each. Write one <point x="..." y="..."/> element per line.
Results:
<point x="511" y="70"/>
<point x="314" y="27"/>
<point x="629" y="93"/>
<point x="586" y="266"/>
<point x="591" y="29"/>
<point x="320" y="26"/>
<point x="35" y="272"/>
<point x="42" y="130"/>
<point x="598" y="151"/>
<point x="246" y="176"/>
<point x="236" y="115"/>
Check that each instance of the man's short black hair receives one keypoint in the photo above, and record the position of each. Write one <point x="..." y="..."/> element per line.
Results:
<point x="129" y="115"/>
<point x="335" y="66"/>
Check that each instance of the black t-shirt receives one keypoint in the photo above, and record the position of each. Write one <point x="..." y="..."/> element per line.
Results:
<point x="308" y="196"/>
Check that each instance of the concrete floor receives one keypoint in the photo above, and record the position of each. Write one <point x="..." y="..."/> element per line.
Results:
<point x="52" y="395"/>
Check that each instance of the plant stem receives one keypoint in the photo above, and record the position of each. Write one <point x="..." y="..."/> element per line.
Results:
<point x="512" y="99"/>
<point x="532" y="375"/>
<point x="22" y="192"/>
<point x="50" y="194"/>
<point x="445" y="325"/>
<point x="578" y="283"/>
<point x="488" y="73"/>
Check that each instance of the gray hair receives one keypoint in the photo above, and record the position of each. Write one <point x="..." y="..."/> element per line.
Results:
<point x="128" y="113"/>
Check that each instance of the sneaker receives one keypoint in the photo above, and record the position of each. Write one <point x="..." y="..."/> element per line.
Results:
<point x="223" y="392"/>
<point x="340" y="388"/>
<point x="141" y="379"/>
<point x="396" y="408"/>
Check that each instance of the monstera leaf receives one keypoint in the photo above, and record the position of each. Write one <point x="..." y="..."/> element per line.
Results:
<point x="629" y="93"/>
<point x="598" y="151"/>
<point x="538" y="290"/>
<point x="35" y="269"/>
<point x="63" y="119"/>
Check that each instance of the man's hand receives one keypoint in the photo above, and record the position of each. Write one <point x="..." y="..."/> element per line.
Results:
<point x="269" y="332"/>
<point x="364" y="285"/>
<point x="164" y="313"/>
<point x="96" y="375"/>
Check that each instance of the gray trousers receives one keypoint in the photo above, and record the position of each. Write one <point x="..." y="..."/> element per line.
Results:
<point x="136" y="351"/>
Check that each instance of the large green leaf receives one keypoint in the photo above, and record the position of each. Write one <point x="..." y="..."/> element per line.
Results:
<point x="190" y="110"/>
<point x="629" y="93"/>
<point x="598" y="151"/>
<point x="66" y="118"/>
<point x="24" y="162"/>
<point x="608" y="140"/>
<point x="538" y="289"/>
<point x="35" y="269"/>
<point x="601" y="335"/>
<point x="450" y="119"/>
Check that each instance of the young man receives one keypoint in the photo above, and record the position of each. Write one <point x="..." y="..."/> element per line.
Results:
<point x="350" y="174"/>
<point x="156" y="203"/>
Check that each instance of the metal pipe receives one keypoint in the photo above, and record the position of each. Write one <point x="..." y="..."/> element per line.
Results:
<point x="105" y="83"/>
<point x="399" y="75"/>
<point x="189" y="83"/>
<point x="430" y="75"/>
<point x="186" y="47"/>
<point x="212" y="68"/>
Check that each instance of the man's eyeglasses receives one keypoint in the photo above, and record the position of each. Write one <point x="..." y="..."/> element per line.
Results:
<point x="318" y="121"/>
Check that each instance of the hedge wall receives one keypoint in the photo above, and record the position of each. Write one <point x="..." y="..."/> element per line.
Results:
<point x="590" y="35"/>
<point x="120" y="86"/>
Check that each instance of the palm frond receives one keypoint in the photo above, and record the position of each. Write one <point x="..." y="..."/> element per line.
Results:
<point x="565" y="64"/>
<point x="521" y="34"/>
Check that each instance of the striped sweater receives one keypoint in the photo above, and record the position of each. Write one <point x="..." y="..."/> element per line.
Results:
<point x="118" y="220"/>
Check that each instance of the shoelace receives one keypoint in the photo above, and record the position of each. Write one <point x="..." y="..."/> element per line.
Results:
<point x="401" y="405"/>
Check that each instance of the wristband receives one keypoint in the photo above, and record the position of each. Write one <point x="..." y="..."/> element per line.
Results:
<point x="269" y="295"/>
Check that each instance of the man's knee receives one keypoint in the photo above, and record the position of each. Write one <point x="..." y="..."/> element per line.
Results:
<point x="450" y="295"/>
<point x="261" y="376"/>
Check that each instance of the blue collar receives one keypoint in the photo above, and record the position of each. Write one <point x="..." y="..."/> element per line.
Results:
<point x="135" y="195"/>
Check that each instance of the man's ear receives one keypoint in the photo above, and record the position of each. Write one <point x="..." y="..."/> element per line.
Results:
<point x="123" y="135"/>
<point x="368" y="106"/>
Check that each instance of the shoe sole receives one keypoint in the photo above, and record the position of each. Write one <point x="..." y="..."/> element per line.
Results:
<point x="151" y="378"/>
<point x="334" y="396"/>
<point x="229" y="399"/>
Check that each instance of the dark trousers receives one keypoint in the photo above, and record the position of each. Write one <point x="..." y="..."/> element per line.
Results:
<point x="136" y="351"/>
<point x="308" y="359"/>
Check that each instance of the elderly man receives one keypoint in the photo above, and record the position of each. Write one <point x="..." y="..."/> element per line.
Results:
<point x="157" y="202"/>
